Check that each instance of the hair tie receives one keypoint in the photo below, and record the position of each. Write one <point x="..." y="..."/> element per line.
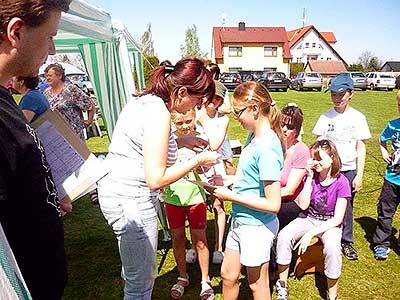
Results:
<point x="169" y="69"/>
<point x="250" y="96"/>
<point x="273" y="102"/>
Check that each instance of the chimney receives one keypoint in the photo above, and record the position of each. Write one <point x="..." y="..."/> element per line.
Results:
<point x="242" y="26"/>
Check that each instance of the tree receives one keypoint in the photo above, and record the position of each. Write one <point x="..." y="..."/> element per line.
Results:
<point x="355" y="68"/>
<point x="296" y="68"/>
<point x="369" y="61"/>
<point x="150" y="62"/>
<point x="192" y="45"/>
<point x="147" y="42"/>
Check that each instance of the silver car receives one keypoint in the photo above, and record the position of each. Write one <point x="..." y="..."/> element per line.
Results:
<point x="307" y="80"/>
<point x="359" y="80"/>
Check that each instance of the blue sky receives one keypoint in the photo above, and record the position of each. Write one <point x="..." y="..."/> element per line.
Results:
<point x="358" y="25"/>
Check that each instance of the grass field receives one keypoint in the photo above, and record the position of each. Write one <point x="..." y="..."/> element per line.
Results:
<point x="94" y="265"/>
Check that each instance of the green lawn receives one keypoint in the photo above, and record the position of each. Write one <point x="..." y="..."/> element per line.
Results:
<point x="93" y="260"/>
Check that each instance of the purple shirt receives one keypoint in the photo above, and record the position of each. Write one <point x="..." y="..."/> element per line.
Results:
<point x="323" y="198"/>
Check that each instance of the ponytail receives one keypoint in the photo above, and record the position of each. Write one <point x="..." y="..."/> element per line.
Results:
<point x="190" y="73"/>
<point x="274" y="117"/>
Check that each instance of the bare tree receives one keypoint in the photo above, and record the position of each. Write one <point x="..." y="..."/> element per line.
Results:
<point x="369" y="61"/>
<point x="147" y="42"/>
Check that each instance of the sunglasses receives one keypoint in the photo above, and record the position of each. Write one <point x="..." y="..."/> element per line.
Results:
<point x="323" y="143"/>
<point x="289" y="126"/>
<point x="238" y="113"/>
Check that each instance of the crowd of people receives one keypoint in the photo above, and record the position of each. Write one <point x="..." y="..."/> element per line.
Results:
<point x="171" y="142"/>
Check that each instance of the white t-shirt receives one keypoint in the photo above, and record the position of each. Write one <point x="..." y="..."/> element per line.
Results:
<point x="218" y="123"/>
<point x="344" y="129"/>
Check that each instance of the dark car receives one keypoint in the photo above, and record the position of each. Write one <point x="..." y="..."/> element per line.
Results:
<point x="397" y="82"/>
<point x="275" y="81"/>
<point x="250" y="75"/>
<point x="230" y="80"/>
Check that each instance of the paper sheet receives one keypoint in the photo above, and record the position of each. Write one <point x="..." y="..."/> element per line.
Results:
<point x="63" y="159"/>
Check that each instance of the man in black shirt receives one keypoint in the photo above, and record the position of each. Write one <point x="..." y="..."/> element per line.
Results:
<point x="29" y="206"/>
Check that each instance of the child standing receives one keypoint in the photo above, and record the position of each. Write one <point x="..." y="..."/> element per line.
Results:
<point x="256" y="193"/>
<point x="184" y="200"/>
<point x="348" y="129"/>
<point x="326" y="190"/>
<point x="390" y="194"/>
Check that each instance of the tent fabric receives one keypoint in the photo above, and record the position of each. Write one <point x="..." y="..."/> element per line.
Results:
<point x="12" y="284"/>
<point x="105" y="46"/>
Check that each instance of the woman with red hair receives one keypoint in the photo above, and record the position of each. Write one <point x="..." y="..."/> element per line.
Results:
<point x="141" y="161"/>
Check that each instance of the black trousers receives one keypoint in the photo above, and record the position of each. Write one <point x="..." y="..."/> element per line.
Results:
<point x="387" y="206"/>
<point x="347" y="235"/>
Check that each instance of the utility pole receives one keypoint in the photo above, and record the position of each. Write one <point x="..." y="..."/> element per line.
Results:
<point x="304" y="17"/>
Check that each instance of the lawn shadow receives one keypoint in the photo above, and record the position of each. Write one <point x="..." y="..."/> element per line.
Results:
<point x="368" y="224"/>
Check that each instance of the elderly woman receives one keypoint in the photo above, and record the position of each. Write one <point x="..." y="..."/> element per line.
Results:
<point x="68" y="99"/>
<point x="294" y="167"/>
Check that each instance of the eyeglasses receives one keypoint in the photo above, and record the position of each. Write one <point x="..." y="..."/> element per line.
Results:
<point x="238" y="113"/>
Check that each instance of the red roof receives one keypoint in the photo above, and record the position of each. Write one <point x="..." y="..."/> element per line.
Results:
<point x="223" y="35"/>
<point x="326" y="67"/>
<point x="295" y="35"/>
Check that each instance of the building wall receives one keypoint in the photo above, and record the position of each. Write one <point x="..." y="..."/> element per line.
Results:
<point x="321" y="49"/>
<point x="253" y="58"/>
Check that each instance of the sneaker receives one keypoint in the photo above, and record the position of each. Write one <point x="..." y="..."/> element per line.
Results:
<point x="191" y="256"/>
<point x="281" y="290"/>
<point x="218" y="257"/>
<point x="381" y="252"/>
<point x="349" y="252"/>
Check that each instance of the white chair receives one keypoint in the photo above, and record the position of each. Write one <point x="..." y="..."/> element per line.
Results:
<point x="94" y="127"/>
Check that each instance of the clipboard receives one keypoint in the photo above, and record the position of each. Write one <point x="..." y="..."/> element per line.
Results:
<point x="75" y="169"/>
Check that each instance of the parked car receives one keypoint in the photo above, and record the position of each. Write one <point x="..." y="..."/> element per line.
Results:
<point x="250" y="75"/>
<point x="230" y="80"/>
<point x="275" y="81"/>
<point x="359" y="80"/>
<point x="378" y="80"/>
<point x="397" y="82"/>
<point x="308" y="80"/>
<point x="83" y="82"/>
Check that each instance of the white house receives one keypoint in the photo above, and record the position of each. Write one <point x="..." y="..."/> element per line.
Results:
<point x="251" y="48"/>
<point x="307" y="43"/>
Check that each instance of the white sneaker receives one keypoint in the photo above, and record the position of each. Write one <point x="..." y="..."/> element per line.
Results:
<point x="218" y="257"/>
<point x="281" y="290"/>
<point x="191" y="256"/>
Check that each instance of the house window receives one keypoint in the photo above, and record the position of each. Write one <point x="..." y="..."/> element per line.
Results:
<point x="312" y="57"/>
<point x="328" y="58"/>
<point x="268" y="69"/>
<point x="270" y="51"/>
<point x="307" y="45"/>
<point x="298" y="59"/>
<point x="235" y="69"/>
<point x="235" y="51"/>
<point x="313" y="45"/>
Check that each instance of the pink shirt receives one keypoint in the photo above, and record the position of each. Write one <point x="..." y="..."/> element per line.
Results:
<point x="295" y="160"/>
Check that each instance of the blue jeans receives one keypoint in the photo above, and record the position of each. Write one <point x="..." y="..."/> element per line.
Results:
<point x="134" y="222"/>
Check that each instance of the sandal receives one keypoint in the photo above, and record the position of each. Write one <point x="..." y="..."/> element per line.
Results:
<point x="178" y="288"/>
<point x="207" y="292"/>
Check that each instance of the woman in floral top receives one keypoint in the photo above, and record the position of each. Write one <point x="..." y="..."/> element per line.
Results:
<point x="68" y="99"/>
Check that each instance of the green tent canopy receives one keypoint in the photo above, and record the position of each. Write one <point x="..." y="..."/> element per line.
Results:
<point x="110" y="54"/>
